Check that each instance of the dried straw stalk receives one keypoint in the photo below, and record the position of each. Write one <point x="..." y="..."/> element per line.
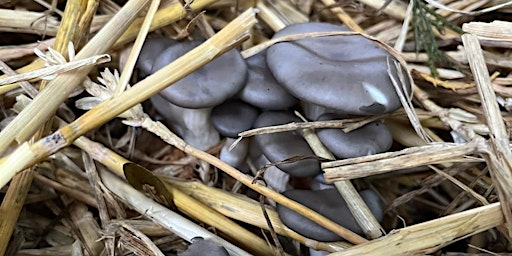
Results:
<point x="410" y="157"/>
<point x="269" y="17"/>
<point x="430" y="236"/>
<point x="56" y="69"/>
<point x="499" y="155"/>
<point x="27" y="22"/>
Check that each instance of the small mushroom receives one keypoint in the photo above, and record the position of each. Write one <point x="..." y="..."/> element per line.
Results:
<point x="230" y="118"/>
<point x="286" y="145"/>
<point x="200" y="247"/>
<point x="345" y="73"/>
<point x="200" y="91"/>
<point x="261" y="89"/>
<point x="150" y="51"/>
<point x="370" y="139"/>
<point x="329" y="203"/>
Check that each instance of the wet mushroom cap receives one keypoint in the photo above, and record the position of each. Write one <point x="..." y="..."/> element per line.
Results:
<point x="150" y="51"/>
<point x="209" y="85"/>
<point x="285" y="145"/>
<point x="329" y="203"/>
<point x="345" y="73"/>
<point x="373" y="138"/>
<point x="233" y="117"/>
<point x="261" y="89"/>
<point x="200" y="247"/>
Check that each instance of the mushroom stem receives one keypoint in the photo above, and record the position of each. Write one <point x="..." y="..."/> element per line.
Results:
<point x="193" y="125"/>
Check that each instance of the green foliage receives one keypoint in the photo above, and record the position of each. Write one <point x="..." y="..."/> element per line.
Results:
<point x="424" y="20"/>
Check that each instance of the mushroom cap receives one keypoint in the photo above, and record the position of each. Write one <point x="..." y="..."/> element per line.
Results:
<point x="209" y="85"/>
<point x="345" y="73"/>
<point x="150" y="51"/>
<point x="261" y="89"/>
<point x="369" y="139"/>
<point x="200" y="247"/>
<point x="284" y="145"/>
<point x="233" y="117"/>
<point x="330" y="204"/>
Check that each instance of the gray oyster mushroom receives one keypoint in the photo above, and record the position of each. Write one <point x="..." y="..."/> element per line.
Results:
<point x="345" y="73"/>
<point x="370" y="139"/>
<point x="197" y="93"/>
<point x="329" y="203"/>
<point x="261" y="89"/>
<point x="285" y="145"/>
<point x="209" y="85"/>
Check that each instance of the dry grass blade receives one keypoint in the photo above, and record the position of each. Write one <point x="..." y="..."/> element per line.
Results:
<point x="87" y="229"/>
<point x="56" y="69"/>
<point x="499" y="157"/>
<point x="429" y="236"/>
<point x="496" y="30"/>
<point x="385" y="162"/>
<point x="12" y="205"/>
<point x="343" y="124"/>
<point x="137" y="46"/>
<point x="27" y="22"/>
<point x="269" y="17"/>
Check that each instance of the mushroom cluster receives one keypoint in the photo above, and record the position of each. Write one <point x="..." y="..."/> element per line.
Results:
<point x="326" y="78"/>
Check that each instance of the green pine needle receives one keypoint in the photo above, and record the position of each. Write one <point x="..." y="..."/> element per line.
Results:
<point x="425" y="20"/>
